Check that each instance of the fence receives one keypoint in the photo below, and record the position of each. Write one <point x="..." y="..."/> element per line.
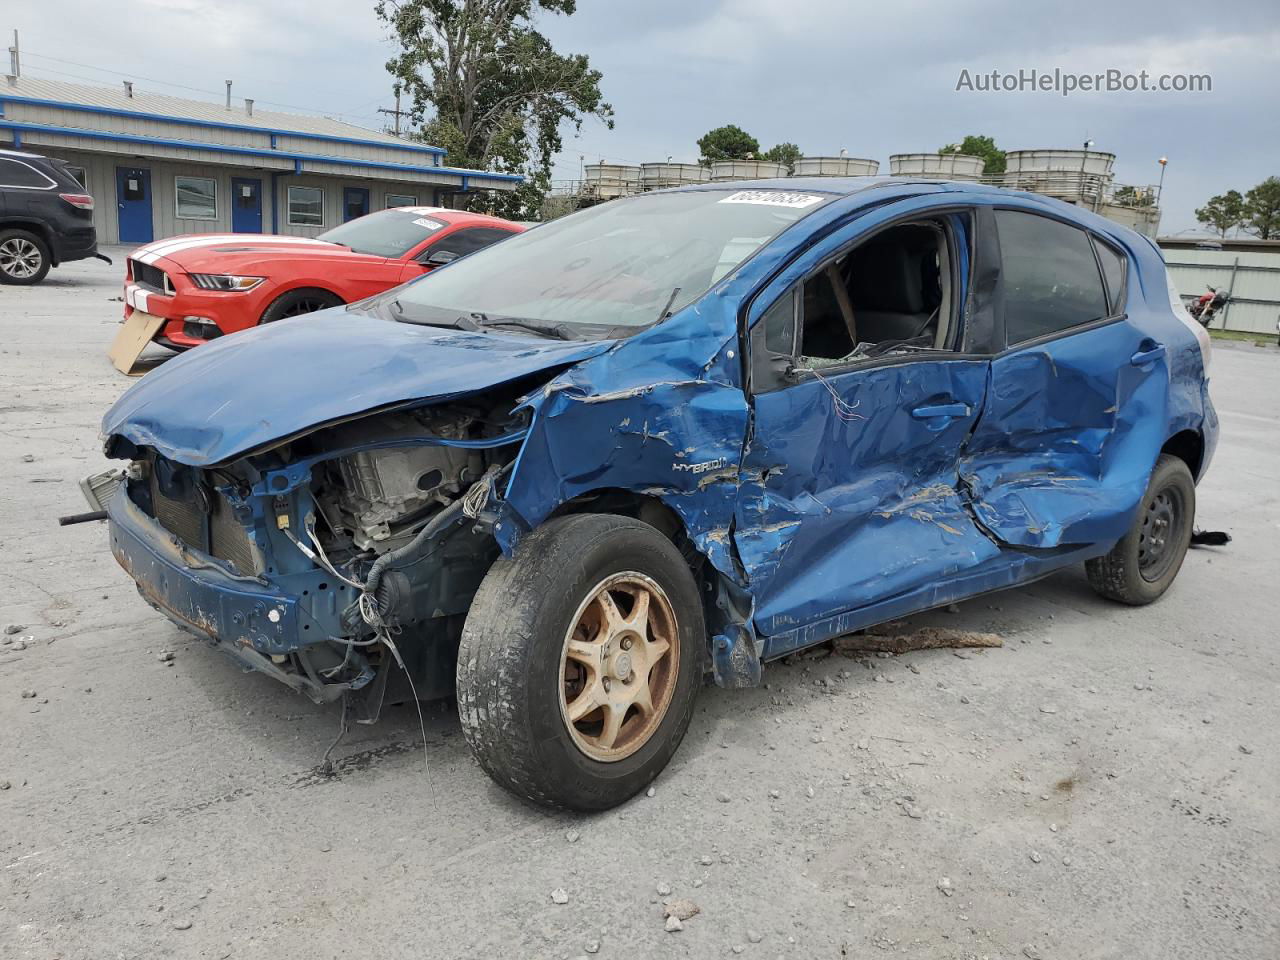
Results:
<point x="1251" y="277"/>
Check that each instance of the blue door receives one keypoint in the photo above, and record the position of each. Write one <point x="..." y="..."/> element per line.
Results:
<point x="863" y="398"/>
<point x="246" y="205"/>
<point x="133" y="197"/>
<point x="355" y="203"/>
<point x="1076" y="412"/>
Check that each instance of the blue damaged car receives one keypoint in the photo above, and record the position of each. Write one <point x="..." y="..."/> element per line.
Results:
<point x="682" y="434"/>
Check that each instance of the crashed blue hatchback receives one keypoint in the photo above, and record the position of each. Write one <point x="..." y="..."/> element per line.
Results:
<point x="688" y="432"/>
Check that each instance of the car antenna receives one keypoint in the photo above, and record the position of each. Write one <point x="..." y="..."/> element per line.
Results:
<point x="666" y="307"/>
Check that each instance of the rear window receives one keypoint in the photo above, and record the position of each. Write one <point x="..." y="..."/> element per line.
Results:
<point x="23" y="175"/>
<point x="1051" y="277"/>
<point x="388" y="233"/>
<point x="1113" y="270"/>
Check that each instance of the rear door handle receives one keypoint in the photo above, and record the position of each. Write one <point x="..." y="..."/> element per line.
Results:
<point x="936" y="410"/>
<point x="1146" y="356"/>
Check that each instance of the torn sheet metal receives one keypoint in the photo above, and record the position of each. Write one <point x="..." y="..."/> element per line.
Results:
<point x="664" y="418"/>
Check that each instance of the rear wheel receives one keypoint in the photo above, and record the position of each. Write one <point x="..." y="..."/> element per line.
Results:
<point x="580" y="661"/>
<point x="1142" y="566"/>
<point x="297" y="302"/>
<point x="24" y="258"/>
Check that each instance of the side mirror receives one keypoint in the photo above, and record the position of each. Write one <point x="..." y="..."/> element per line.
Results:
<point x="439" y="258"/>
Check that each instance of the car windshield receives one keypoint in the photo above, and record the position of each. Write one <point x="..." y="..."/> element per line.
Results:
<point x="623" y="264"/>
<point x="388" y="233"/>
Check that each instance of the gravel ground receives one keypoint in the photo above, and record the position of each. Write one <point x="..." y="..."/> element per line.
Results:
<point x="1103" y="785"/>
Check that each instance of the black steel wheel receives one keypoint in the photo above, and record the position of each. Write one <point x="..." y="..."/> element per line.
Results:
<point x="1142" y="566"/>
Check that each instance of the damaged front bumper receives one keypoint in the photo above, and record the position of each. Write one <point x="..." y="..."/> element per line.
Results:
<point x="264" y="625"/>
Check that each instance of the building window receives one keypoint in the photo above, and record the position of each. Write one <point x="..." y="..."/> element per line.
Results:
<point x="196" y="198"/>
<point x="401" y="200"/>
<point x="306" y="207"/>
<point x="78" y="173"/>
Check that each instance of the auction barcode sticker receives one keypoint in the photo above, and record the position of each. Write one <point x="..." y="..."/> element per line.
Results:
<point x="773" y="198"/>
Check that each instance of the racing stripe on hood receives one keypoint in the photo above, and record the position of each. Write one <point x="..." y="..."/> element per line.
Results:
<point x="153" y="252"/>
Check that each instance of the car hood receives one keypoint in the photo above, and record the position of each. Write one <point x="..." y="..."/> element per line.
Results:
<point x="225" y="253"/>
<point x="239" y="394"/>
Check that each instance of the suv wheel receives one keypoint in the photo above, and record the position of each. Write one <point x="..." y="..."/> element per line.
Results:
<point x="1142" y="566"/>
<point x="580" y="661"/>
<point x="24" y="258"/>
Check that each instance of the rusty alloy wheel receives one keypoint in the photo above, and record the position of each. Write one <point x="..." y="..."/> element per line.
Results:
<point x="619" y="666"/>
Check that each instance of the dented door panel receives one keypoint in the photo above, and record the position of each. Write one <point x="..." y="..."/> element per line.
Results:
<point x="1068" y="437"/>
<point x="842" y="507"/>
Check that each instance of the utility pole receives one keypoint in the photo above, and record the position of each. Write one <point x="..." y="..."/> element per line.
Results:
<point x="15" y="59"/>
<point x="397" y="112"/>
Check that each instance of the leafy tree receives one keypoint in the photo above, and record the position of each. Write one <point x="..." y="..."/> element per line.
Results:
<point x="1128" y="196"/>
<point x="490" y="89"/>
<point x="1223" y="212"/>
<point x="1262" y="210"/>
<point x="979" y="146"/>
<point x="727" y="143"/>
<point x="787" y="153"/>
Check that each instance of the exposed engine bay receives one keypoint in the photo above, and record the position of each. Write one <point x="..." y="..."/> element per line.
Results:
<point x="381" y="496"/>
<point x="377" y="530"/>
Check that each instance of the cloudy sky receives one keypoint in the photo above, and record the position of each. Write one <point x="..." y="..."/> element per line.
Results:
<point x="874" y="79"/>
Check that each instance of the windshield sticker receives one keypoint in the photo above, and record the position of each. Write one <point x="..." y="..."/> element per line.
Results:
<point x="773" y="198"/>
<point x="429" y="224"/>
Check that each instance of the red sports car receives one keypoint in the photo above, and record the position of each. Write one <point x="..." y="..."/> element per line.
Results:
<point x="193" y="288"/>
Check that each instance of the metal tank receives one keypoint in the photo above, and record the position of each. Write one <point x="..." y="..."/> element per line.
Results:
<point x="1077" y="176"/>
<point x="835" y="167"/>
<point x="607" y="181"/>
<point x="943" y="166"/>
<point x="723" y="170"/>
<point x="657" y="176"/>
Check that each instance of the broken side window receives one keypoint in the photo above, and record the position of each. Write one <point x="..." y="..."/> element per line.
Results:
<point x="891" y="293"/>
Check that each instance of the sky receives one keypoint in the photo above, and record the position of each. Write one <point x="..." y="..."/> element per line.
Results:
<point x="873" y="79"/>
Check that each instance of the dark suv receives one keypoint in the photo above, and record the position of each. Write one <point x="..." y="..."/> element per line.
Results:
<point x="46" y="218"/>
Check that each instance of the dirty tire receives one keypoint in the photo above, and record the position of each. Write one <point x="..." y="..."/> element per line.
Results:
<point x="297" y="302"/>
<point x="24" y="258"/>
<point x="510" y="668"/>
<point x="1127" y="573"/>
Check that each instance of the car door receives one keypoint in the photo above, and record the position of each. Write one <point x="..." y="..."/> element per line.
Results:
<point x="1075" y="415"/>
<point x="849" y="476"/>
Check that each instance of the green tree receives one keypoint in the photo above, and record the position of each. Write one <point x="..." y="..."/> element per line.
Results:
<point x="787" y="153"/>
<point x="1128" y="196"/>
<point x="490" y="89"/>
<point x="976" y="145"/>
<point x="1262" y="210"/>
<point x="727" y="143"/>
<point x="1222" y="213"/>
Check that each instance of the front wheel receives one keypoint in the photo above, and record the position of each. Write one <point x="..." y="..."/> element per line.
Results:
<point x="297" y="302"/>
<point x="580" y="662"/>
<point x="1142" y="566"/>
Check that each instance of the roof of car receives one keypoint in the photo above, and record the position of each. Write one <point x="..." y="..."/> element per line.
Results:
<point x="23" y="154"/>
<point x="450" y="216"/>
<point x="843" y="186"/>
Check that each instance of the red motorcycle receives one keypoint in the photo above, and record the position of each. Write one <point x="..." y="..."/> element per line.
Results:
<point x="1205" y="307"/>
